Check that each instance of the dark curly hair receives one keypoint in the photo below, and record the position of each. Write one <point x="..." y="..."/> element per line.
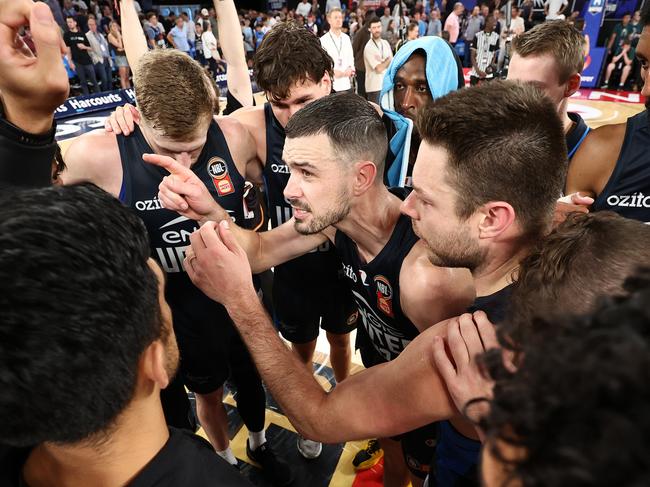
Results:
<point x="576" y="410"/>
<point x="289" y="54"/>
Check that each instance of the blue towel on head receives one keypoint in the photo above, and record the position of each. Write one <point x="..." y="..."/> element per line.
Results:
<point x="442" y="77"/>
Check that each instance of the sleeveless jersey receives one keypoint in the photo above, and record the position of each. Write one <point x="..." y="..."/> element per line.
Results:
<point x="375" y="286"/>
<point x="169" y="232"/>
<point x="628" y="190"/>
<point x="276" y="176"/>
<point x="577" y="135"/>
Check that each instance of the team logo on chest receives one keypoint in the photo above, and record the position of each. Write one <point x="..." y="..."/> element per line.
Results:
<point x="384" y="295"/>
<point x="218" y="171"/>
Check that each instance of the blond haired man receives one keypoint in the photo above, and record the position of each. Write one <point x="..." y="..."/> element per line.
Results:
<point x="551" y="56"/>
<point x="177" y="102"/>
<point x="338" y="46"/>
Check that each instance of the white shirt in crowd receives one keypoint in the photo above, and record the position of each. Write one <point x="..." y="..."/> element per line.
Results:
<point x="340" y="50"/>
<point x="554" y="7"/>
<point x="375" y="53"/>
<point x="303" y="8"/>
<point x="191" y="31"/>
<point x="485" y="46"/>
<point x="517" y="26"/>
<point x="209" y="45"/>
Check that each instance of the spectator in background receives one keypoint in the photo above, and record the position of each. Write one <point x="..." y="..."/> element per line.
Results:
<point x="452" y="24"/>
<point x="435" y="26"/>
<point x="107" y="18"/>
<point x="199" y="55"/>
<point x="117" y="43"/>
<point x="100" y="54"/>
<point x="358" y="44"/>
<point x="474" y="25"/>
<point x="391" y="35"/>
<point x="68" y="9"/>
<point x="385" y="19"/>
<point x="154" y="31"/>
<point x="377" y="55"/>
<point x="210" y="48"/>
<point x="212" y="17"/>
<point x="259" y="34"/>
<point x="78" y="54"/>
<point x="177" y="37"/>
<point x="422" y="24"/>
<point x="526" y="13"/>
<point x="621" y="32"/>
<point x="553" y="9"/>
<point x="249" y="41"/>
<point x="411" y="35"/>
<point x="310" y="25"/>
<point x="484" y="49"/>
<point x="622" y="61"/>
<point x="303" y="8"/>
<point x="338" y="46"/>
<point x="517" y="23"/>
<point x="190" y="30"/>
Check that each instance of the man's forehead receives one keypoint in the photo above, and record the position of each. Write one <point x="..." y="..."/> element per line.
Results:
<point x="414" y="67"/>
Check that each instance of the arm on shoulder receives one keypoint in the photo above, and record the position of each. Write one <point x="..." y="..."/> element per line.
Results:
<point x="593" y="163"/>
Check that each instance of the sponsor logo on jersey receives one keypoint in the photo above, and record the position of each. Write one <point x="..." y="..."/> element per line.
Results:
<point x="280" y="168"/>
<point x="149" y="205"/>
<point x="364" y="277"/>
<point x="387" y="340"/>
<point x="349" y="272"/>
<point x="352" y="319"/>
<point x="384" y="295"/>
<point x="636" y="200"/>
<point x="218" y="171"/>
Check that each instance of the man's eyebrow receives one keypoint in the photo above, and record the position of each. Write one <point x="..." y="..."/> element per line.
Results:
<point x="302" y="164"/>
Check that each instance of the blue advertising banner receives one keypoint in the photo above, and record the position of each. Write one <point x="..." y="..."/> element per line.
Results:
<point x="595" y="55"/>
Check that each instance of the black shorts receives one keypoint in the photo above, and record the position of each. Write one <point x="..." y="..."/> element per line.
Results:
<point x="208" y="342"/>
<point x="309" y="292"/>
<point x="419" y="448"/>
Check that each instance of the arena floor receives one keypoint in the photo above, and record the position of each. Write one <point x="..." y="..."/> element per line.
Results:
<point x="334" y="468"/>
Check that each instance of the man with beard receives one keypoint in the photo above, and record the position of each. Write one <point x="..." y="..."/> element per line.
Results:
<point x="80" y="398"/>
<point x="613" y="164"/>
<point x="472" y="209"/>
<point x="398" y="292"/>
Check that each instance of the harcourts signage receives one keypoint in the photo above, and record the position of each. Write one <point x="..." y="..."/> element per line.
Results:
<point x="94" y="103"/>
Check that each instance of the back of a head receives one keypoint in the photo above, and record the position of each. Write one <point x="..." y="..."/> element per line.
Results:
<point x="559" y="39"/>
<point x="289" y="54"/>
<point x="587" y="257"/>
<point x="505" y="142"/>
<point x="175" y="95"/>
<point x="575" y="411"/>
<point x="352" y="125"/>
<point x="78" y="306"/>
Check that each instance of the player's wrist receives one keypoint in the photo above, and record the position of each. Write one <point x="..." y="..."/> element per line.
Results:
<point x="34" y="121"/>
<point x="243" y="303"/>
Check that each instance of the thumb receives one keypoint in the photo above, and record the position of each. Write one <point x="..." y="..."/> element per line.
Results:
<point x="47" y="37"/>
<point x="227" y="237"/>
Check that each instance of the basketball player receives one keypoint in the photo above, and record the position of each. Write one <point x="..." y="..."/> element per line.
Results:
<point x="80" y="401"/>
<point x="472" y="209"/>
<point x="613" y="165"/>
<point x="177" y="120"/>
<point x="398" y="292"/>
<point x="551" y="55"/>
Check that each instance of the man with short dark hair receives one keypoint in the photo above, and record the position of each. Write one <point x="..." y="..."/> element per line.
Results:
<point x="177" y="36"/>
<point x="70" y="334"/>
<point x="472" y="209"/>
<point x="78" y="56"/>
<point x="377" y="55"/>
<point x="483" y="53"/>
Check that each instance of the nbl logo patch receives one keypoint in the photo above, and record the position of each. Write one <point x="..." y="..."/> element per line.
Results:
<point x="384" y="295"/>
<point x="218" y="171"/>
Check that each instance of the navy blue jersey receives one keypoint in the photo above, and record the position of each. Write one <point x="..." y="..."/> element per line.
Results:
<point x="376" y="289"/>
<point x="169" y="232"/>
<point x="628" y="190"/>
<point x="576" y="136"/>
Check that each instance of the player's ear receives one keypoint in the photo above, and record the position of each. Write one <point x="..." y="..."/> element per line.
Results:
<point x="365" y="173"/>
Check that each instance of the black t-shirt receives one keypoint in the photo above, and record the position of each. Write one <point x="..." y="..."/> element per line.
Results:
<point x="185" y="460"/>
<point x="495" y="305"/>
<point x="78" y="56"/>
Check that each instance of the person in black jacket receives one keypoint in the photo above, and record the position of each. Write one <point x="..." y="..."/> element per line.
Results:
<point x="31" y="89"/>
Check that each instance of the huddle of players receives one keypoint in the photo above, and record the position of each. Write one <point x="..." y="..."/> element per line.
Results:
<point x="335" y="148"/>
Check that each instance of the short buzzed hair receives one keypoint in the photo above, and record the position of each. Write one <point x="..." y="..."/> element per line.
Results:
<point x="559" y="39"/>
<point x="352" y="125"/>
<point x="515" y="151"/>
<point x="175" y="95"/>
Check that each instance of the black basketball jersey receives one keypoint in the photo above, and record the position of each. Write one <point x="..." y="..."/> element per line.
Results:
<point x="276" y="176"/>
<point x="375" y="286"/>
<point x="169" y="232"/>
<point x="576" y="135"/>
<point x="628" y="190"/>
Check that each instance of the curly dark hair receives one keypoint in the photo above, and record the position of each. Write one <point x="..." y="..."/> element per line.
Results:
<point x="289" y="54"/>
<point x="575" y="411"/>
<point x="586" y="257"/>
